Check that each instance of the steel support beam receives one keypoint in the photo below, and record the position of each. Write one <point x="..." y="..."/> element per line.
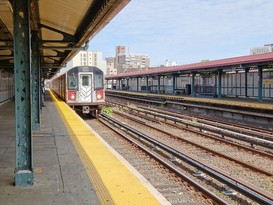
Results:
<point x="174" y="83"/>
<point x="41" y="80"/>
<point x="246" y="82"/>
<point x="68" y="48"/>
<point x="35" y="69"/>
<point x="260" y="84"/>
<point x="193" y="91"/>
<point x="127" y="83"/>
<point x="158" y="84"/>
<point x="147" y="84"/>
<point x="21" y="24"/>
<point x="236" y="84"/>
<point x="137" y="84"/>
<point x="219" y="93"/>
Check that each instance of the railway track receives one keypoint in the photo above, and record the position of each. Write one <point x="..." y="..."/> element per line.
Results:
<point x="219" y="129"/>
<point x="180" y="139"/>
<point x="173" y="188"/>
<point x="243" y="129"/>
<point x="258" y="195"/>
<point x="160" y="101"/>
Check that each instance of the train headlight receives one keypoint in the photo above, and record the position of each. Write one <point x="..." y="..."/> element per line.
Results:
<point x="98" y="96"/>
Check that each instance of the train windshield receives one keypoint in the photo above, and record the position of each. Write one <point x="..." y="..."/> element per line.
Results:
<point x="72" y="82"/>
<point x="85" y="80"/>
<point x="98" y="78"/>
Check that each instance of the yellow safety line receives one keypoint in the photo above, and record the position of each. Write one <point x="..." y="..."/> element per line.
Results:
<point x="113" y="182"/>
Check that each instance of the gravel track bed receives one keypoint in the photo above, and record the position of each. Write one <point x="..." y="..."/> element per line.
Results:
<point x="253" y="159"/>
<point x="172" y="188"/>
<point x="235" y="170"/>
<point x="234" y="140"/>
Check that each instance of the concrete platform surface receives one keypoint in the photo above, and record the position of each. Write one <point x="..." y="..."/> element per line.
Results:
<point x="60" y="177"/>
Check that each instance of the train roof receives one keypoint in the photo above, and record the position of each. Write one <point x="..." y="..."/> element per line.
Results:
<point x="85" y="69"/>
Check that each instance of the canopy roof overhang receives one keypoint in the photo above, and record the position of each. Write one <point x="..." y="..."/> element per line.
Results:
<point x="242" y="62"/>
<point x="63" y="27"/>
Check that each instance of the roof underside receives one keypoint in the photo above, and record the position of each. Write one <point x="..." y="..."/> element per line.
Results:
<point x="63" y="27"/>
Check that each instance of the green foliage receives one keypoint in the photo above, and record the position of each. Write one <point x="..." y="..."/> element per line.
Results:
<point x="220" y="194"/>
<point x="107" y="111"/>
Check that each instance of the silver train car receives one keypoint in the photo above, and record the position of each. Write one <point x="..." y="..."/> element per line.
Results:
<point x="82" y="89"/>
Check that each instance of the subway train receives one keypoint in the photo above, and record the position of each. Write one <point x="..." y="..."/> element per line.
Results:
<point x="82" y="89"/>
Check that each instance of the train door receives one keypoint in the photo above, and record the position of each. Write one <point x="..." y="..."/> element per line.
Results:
<point x="85" y="87"/>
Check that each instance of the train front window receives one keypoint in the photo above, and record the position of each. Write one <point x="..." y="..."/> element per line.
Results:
<point x="72" y="82"/>
<point x="85" y="80"/>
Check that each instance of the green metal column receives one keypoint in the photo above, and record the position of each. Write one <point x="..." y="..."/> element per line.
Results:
<point x="158" y="84"/>
<point x="174" y="83"/>
<point x="24" y="163"/>
<point x="215" y="83"/>
<point x="236" y="84"/>
<point x="193" y="91"/>
<point x="137" y="84"/>
<point x="147" y="84"/>
<point x="127" y="84"/>
<point x="219" y="83"/>
<point x="35" y="67"/>
<point x="246" y="72"/>
<point x="40" y="74"/>
<point x="119" y="84"/>
<point x="260" y="84"/>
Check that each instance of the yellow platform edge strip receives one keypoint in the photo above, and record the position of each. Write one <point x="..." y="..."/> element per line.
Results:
<point x="113" y="182"/>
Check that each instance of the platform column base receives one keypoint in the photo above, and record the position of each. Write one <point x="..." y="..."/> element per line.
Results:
<point x="23" y="178"/>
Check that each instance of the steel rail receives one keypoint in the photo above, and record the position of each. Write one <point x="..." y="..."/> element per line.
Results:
<point x="257" y="169"/>
<point x="266" y="134"/>
<point x="266" y="154"/>
<point x="175" y="102"/>
<point x="249" y="190"/>
<point x="205" y="191"/>
<point x="217" y="130"/>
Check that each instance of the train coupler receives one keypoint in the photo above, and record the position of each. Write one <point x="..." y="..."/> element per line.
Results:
<point x="85" y="109"/>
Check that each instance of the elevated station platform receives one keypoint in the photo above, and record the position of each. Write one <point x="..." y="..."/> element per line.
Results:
<point x="72" y="164"/>
<point x="239" y="102"/>
<point x="243" y="110"/>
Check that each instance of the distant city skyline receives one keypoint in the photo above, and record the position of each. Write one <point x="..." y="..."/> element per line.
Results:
<point x="188" y="31"/>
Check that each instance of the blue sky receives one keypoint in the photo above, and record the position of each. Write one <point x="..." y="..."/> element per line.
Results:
<point x="188" y="31"/>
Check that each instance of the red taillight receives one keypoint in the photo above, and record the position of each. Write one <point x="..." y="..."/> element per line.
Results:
<point x="72" y="95"/>
<point x="99" y="94"/>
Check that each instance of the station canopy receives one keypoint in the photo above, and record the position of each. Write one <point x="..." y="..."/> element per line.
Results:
<point x="63" y="28"/>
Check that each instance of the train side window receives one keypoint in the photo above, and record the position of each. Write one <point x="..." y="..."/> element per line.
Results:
<point x="98" y="78"/>
<point x="72" y="82"/>
<point x="85" y="80"/>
